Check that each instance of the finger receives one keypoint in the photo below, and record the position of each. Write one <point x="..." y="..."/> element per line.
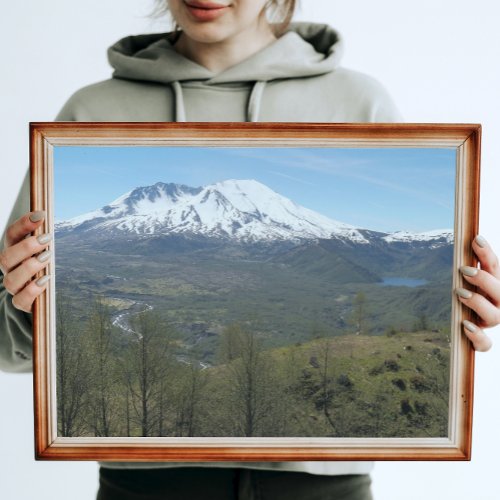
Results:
<point x="486" y="256"/>
<point x="479" y="339"/>
<point x="16" y="280"/>
<point x="484" y="280"/>
<point x="23" y="226"/>
<point x="14" y="255"/>
<point x="487" y="312"/>
<point x="25" y="298"/>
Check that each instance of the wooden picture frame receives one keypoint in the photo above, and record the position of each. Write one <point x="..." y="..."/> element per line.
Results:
<point x="462" y="140"/>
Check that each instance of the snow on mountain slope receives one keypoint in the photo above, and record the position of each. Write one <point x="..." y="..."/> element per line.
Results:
<point x="243" y="210"/>
<point x="437" y="235"/>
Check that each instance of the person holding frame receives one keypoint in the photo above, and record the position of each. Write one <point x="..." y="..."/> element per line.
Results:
<point x="224" y="62"/>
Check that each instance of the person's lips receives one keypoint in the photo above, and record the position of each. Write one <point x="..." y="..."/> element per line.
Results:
<point x="205" y="11"/>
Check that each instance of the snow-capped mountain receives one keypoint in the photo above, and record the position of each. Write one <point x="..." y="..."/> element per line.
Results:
<point x="436" y="236"/>
<point x="245" y="210"/>
<point x="242" y="210"/>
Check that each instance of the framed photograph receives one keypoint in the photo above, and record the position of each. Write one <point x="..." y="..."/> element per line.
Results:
<point x="254" y="291"/>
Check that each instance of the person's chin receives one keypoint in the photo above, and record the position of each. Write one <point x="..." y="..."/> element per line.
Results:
<point x="207" y="32"/>
<point x="207" y="37"/>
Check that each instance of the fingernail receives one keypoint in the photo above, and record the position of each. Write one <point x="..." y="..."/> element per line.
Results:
<point x="470" y="326"/>
<point x="469" y="271"/>
<point x="481" y="241"/>
<point x="44" y="256"/>
<point x="44" y="238"/>
<point x="462" y="292"/>
<point x="41" y="281"/>
<point x="38" y="215"/>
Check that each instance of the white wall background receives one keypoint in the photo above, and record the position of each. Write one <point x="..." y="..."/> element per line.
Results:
<point x="438" y="59"/>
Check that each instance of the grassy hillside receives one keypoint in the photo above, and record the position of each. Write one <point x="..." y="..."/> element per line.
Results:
<point x="391" y="385"/>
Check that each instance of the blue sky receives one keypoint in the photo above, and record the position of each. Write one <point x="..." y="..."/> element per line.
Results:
<point x="382" y="189"/>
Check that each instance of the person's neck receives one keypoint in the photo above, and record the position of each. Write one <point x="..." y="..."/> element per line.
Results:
<point x="218" y="56"/>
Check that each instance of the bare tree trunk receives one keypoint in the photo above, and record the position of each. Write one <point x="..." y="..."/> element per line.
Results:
<point x="101" y="360"/>
<point x="247" y="369"/>
<point x="127" y="411"/>
<point x="149" y="366"/>
<point x="71" y="373"/>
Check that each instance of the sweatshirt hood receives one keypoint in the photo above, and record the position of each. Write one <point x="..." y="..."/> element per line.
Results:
<point x="305" y="49"/>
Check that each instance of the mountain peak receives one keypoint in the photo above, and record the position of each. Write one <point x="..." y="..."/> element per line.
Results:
<point x="242" y="209"/>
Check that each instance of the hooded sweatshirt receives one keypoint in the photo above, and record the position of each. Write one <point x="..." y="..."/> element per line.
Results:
<point x="296" y="78"/>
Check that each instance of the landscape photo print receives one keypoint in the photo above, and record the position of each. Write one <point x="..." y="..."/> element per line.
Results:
<point x="278" y="290"/>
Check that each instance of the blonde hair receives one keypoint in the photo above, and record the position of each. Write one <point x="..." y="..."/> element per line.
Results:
<point x="278" y="12"/>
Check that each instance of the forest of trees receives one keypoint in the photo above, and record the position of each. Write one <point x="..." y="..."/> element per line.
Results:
<point x="135" y="383"/>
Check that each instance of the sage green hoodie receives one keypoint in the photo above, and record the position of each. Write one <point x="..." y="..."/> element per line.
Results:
<point x="294" y="79"/>
<point x="297" y="78"/>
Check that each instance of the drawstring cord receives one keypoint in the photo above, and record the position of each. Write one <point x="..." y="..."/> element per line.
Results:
<point x="255" y="101"/>
<point x="253" y="108"/>
<point x="180" y="112"/>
